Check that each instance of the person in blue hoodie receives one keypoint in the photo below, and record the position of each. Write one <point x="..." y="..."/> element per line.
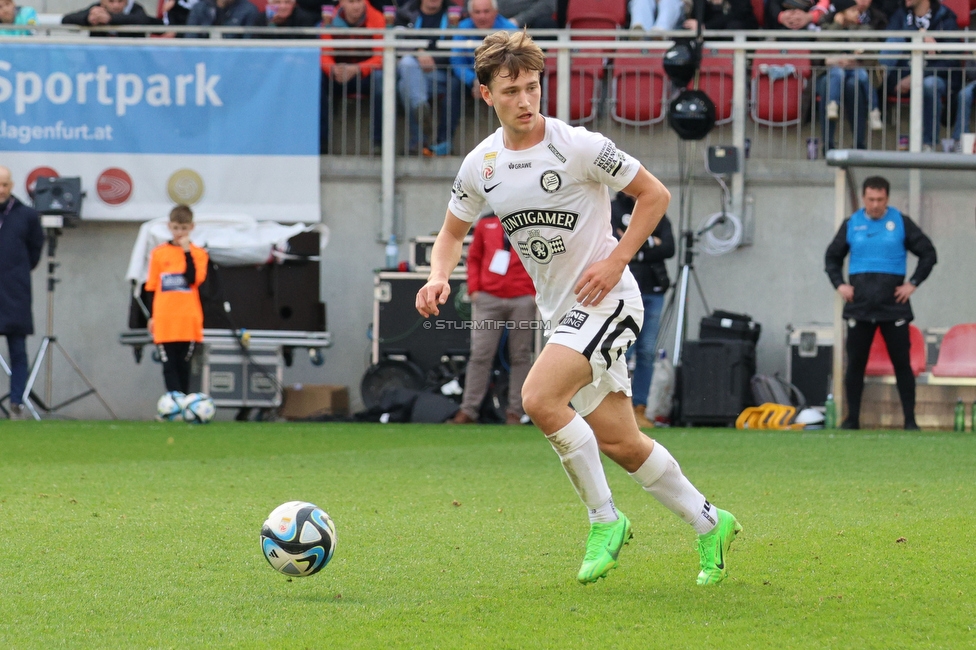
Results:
<point x="10" y="14"/>
<point x="482" y="14"/>
<point x="878" y="238"/>
<point x="939" y="75"/>
<point x="423" y="80"/>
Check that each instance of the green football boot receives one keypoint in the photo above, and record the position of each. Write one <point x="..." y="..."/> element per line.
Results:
<point x="602" y="548"/>
<point x="714" y="546"/>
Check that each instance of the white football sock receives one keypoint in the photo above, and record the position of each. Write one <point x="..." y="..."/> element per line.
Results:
<point x="580" y="454"/>
<point x="661" y="476"/>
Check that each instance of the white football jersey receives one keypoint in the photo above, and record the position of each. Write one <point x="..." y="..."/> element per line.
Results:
<point x="553" y="202"/>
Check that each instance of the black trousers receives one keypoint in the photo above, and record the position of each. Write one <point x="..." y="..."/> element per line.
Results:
<point x="896" y="337"/>
<point x="176" y="364"/>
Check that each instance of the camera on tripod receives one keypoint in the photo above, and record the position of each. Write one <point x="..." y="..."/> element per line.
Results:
<point x="58" y="200"/>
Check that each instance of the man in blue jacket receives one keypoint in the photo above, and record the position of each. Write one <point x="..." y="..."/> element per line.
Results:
<point x="224" y="13"/>
<point x="482" y="14"/>
<point x="939" y="74"/>
<point x="21" y="241"/>
<point x="878" y="237"/>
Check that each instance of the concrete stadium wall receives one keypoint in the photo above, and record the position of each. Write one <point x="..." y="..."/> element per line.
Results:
<point x="779" y="279"/>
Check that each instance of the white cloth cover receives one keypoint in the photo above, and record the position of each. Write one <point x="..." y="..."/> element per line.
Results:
<point x="231" y="240"/>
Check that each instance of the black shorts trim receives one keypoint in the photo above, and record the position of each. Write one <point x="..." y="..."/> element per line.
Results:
<point x="595" y="341"/>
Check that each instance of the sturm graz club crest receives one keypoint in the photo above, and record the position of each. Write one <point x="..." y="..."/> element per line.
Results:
<point x="550" y="181"/>
<point x="540" y="249"/>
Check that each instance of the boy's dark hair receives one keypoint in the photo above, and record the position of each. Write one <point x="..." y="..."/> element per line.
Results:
<point x="876" y="183"/>
<point x="181" y="214"/>
<point x="503" y="52"/>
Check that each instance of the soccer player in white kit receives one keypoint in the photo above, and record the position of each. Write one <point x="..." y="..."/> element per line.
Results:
<point x="548" y="182"/>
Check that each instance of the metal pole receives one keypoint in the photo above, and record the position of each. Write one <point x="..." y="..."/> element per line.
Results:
<point x="916" y="111"/>
<point x="388" y="162"/>
<point x="837" y="371"/>
<point x="562" y="78"/>
<point x="739" y="109"/>
<point x="52" y="242"/>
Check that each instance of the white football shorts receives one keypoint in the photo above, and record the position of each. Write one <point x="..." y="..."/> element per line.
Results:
<point x="602" y="334"/>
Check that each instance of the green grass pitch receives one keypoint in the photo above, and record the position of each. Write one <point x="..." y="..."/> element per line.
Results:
<point x="139" y="535"/>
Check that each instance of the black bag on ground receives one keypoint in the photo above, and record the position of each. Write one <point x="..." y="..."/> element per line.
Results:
<point x="729" y="325"/>
<point x="776" y="390"/>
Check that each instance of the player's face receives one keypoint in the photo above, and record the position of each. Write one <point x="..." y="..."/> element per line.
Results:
<point x="516" y="101"/>
<point x="179" y="231"/>
<point x="7" y="11"/>
<point x="875" y="202"/>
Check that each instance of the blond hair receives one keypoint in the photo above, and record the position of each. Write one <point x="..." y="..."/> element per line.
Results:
<point x="181" y="214"/>
<point x="512" y="53"/>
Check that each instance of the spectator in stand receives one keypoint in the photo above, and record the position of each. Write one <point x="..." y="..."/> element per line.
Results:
<point x="10" y="14"/>
<point x="653" y="281"/>
<point x="176" y="12"/>
<point x="534" y="14"/>
<point x="939" y="75"/>
<point x="111" y="12"/>
<point x="794" y="14"/>
<point x="846" y="82"/>
<point x="658" y="15"/>
<point x="725" y="14"/>
<point x="347" y="72"/>
<point x="224" y="13"/>
<point x="966" y="100"/>
<point x="421" y="81"/>
<point x="482" y="14"/>
<point x="824" y="8"/>
<point x="286" y="13"/>
<point x="501" y="291"/>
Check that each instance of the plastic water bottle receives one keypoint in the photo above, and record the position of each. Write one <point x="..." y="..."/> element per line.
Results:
<point x="392" y="253"/>
<point x="830" y="412"/>
<point x="959" y="419"/>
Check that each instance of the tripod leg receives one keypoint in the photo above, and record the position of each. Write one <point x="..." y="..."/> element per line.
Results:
<point x="701" y="293"/>
<point x="91" y="387"/>
<point x="35" y="370"/>
<point x="682" y="308"/>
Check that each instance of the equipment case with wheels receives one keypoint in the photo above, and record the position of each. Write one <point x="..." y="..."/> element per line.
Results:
<point x="715" y="376"/>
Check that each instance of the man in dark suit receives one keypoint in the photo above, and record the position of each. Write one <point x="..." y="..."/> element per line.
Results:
<point x="21" y="241"/>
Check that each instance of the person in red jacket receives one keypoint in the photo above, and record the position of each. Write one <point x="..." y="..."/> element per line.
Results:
<point x="346" y="72"/>
<point x="501" y="292"/>
<point x="176" y="271"/>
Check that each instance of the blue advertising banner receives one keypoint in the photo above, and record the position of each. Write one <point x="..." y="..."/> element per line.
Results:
<point x="190" y="100"/>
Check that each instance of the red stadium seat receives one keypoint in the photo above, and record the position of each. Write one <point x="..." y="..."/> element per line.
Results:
<point x="961" y="8"/>
<point x="879" y="363"/>
<point x="778" y="102"/>
<point x="639" y="89"/>
<point x="584" y="88"/>
<point x="716" y="80"/>
<point x="596" y="14"/>
<point x="957" y="354"/>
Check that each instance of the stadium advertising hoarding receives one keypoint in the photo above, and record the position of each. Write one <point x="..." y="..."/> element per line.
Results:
<point x="227" y="130"/>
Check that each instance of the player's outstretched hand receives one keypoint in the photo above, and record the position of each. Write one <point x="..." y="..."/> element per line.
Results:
<point x="597" y="281"/>
<point x="431" y="296"/>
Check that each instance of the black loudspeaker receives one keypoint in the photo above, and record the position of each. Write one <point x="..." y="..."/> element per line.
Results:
<point x="715" y="376"/>
<point x="58" y="196"/>
<point x="404" y="333"/>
